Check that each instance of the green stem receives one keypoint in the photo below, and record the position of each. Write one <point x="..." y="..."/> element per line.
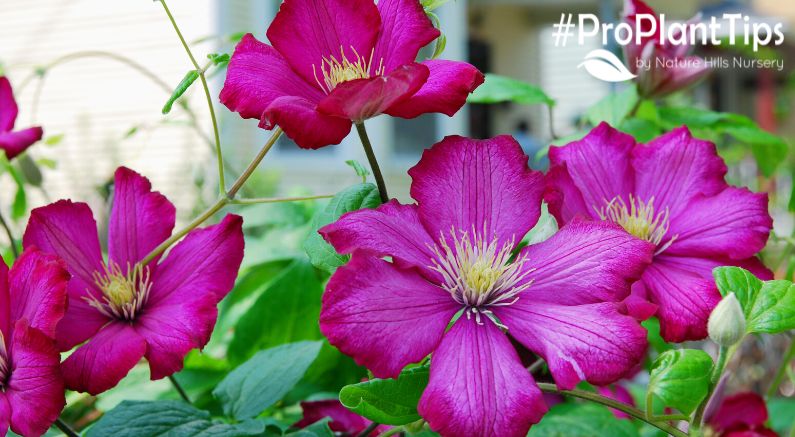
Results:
<point x="179" y="389"/>
<point x="782" y="371"/>
<point x="10" y="235"/>
<point x="65" y="428"/>
<point x="367" y="431"/>
<point x="392" y="431"/>
<point x="717" y="371"/>
<point x="203" y="78"/>
<point x="368" y="149"/>
<point x="632" y="411"/>
<point x="279" y="199"/>
<point x="550" y="111"/>
<point x="635" y="107"/>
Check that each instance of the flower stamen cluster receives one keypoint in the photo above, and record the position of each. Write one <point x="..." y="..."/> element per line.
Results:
<point x="639" y="219"/>
<point x="336" y="71"/>
<point x="123" y="295"/>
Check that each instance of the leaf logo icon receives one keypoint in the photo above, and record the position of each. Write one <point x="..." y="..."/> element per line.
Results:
<point x="606" y="66"/>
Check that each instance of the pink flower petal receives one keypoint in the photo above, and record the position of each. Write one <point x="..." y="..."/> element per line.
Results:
<point x="101" y="363"/>
<point x="632" y="51"/>
<point x="405" y="30"/>
<point x="342" y="421"/>
<point x="481" y="186"/>
<point x="617" y="392"/>
<point x="383" y="316"/>
<point x="5" y="414"/>
<point x="733" y="223"/>
<point x="478" y="386"/>
<point x="140" y="219"/>
<point x="8" y="106"/>
<point x="590" y="342"/>
<point x="740" y="410"/>
<point x="37" y="284"/>
<point x="294" y="114"/>
<point x="307" y="31"/>
<point x="35" y="390"/>
<point x="81" y="320"/>
<point x="586" y="262"/>
<point x="5" y="299"/>
<point x="446" y="90"/>
<point x="391" y="230"/>
<point x="360" y="99"/>
<point x="564" y="197"/>
<point x="258" y="75"/>
<point x="14" y="143"/>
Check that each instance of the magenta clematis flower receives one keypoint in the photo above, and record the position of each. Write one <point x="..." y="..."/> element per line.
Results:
<point x="32" y="302"/>
<point x="11" y="142"/>
<point x="344" y="422"/>
<point x="672" y="193"/>
<point x="452" y="253"/>
<point x="670" y="68"/>
<point x="740" y="415"/>
<point x="334" y="62"/>
<point x="126" y="311"/>
<point x="617" y="392"/>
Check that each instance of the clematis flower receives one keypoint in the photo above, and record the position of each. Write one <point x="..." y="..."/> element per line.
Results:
<point x="452" y="253"/>
<point x="672" y="193"/>
<point x="13" y="142"/>
<point x="344" y="423"/>
<point x="670" y="67"/>
<point x="334" y="62"/>
<point x="32" y="302"/>
<point x="740" y="415"/>
<point x="617" y="392"/>
<point x="121" y="310"/>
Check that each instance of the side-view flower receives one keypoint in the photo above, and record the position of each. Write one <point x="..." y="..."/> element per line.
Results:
<point x="13" y="142"/>
<point x="455" y="253"/>
<point x="672" y="193"/>
<point x="124" y="310"/>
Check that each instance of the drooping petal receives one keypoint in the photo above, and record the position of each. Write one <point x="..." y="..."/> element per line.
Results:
<point x="360" y="99"/>
<point x="35" y="390"/>
<point x="446" y="90"/>
<point x="598" y="164"/>
<point x="405" y="29"/>
<point x="307" y="31"/>
<point x="14" y="143"/>
<point x="383" y="316"/>
<point x="733" y="223"/>
<point x="140" y="219"/>
<point x="391" y="230"/>
<point x="294" y="114"/>
<point x="563" y="198"/>
<point x="478" y="386"/>
<point x="173" y="330"/>
<point x="590" y="342"/>
<point x="674" y="168"/>
<point x="258" y="75"/>
<point x="343" y="420"/>
<point x="205" y="262"/>
<point x="37" y="284"/>
<point x="8" y="106"/>
<point x="743" y="409"/>
<point x="585" y="262"/>
<point x="481" y="186"/>
<point x="103" y="361"/>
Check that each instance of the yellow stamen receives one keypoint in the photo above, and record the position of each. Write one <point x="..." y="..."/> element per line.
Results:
<point x="123" y="295"/>
<point x="336" y="71"/>
<point x="639" y="219"/>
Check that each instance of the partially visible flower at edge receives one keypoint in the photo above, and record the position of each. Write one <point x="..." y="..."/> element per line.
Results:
<point x="337" y="62"/>
<point x="739" y="415"/>
<point x="449" y="253"/>
<point x="32" y="302"/>
<point x="13" y="142"/>
<point x="617" y="392"/>
<point x="123" y="311"/>
<point x="344" y="422"/>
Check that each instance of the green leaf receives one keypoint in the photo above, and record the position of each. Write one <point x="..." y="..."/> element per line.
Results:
<point x="613" y="108"/>
<point x="546" y="227"/>
<point x="643" y="130"/>
<point x="680" y="378"/>
<point x="498" y="89"/>
<point x="172" y="418"/>
<point x="264" y="379"/>
<point x="768" y="306"/>
<point x="20" y="204"/>
<point x="360" y="170"/>
<point x="219" y="59"/>
<point x="321" y="254"/>
<point x="30" y="170"/>
<point x="769" y="150"/>
<point x="53" y="140"/>
<point x="388" y="401"/>
<point x="697" y="118"/>
<point x="782" y="414"/>
<point x="430" y="5"/>
<point x="582" y="420"/>
<point x="183" y="86"/>
<point x="317" y="429"/>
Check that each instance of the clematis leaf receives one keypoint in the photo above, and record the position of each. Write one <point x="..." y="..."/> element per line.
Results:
<point x="317" y="429"/>
<point x="321" y="254"/>
<point x="680" y="378"/>
<point x="430" y="5"/>
<point x="388" y="401"/>
<point x="582" y="420"/>
<point x="498" y="89"/>
<point x="614" y="108"/>
<point x="183" y="86"/>
<point x="264" y="379"/>
<point x="768" y="149"/>
<point x="767" y="305"/>
<point x="172" y="418"/>
<point x="360" y="170"/>
<point x="546" y="227"/>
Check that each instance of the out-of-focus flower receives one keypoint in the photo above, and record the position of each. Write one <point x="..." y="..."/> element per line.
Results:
<point x="617" y="392"/>
<point x="13" y="142"/>
<point x="452" y="252"/>
<point x="334" y="62"/>
<point x="672" y="193"/>
<point x="344" y="422"/>
<point x="127" y="311"/>
<point x="740" y="415"/>
<point x="32" y="302"/>
<point x="668" y="67"/>
<point x="726" y="325"/>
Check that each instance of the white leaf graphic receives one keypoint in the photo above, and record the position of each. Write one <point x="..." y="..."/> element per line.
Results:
<point x="606" y="66"/>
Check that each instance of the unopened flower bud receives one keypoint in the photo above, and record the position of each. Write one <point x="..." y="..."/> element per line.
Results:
<point x="726" y="324"/>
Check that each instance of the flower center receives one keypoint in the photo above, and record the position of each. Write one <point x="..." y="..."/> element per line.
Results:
<point x="336" y="71"/>
<point x="477" y="273"/>
<point x="5" y="369"/>
<point x="123" y="295"/>
<point x="639" y="219"/>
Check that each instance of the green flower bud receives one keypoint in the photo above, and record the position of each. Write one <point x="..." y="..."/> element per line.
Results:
<point x="726" y="324"/>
